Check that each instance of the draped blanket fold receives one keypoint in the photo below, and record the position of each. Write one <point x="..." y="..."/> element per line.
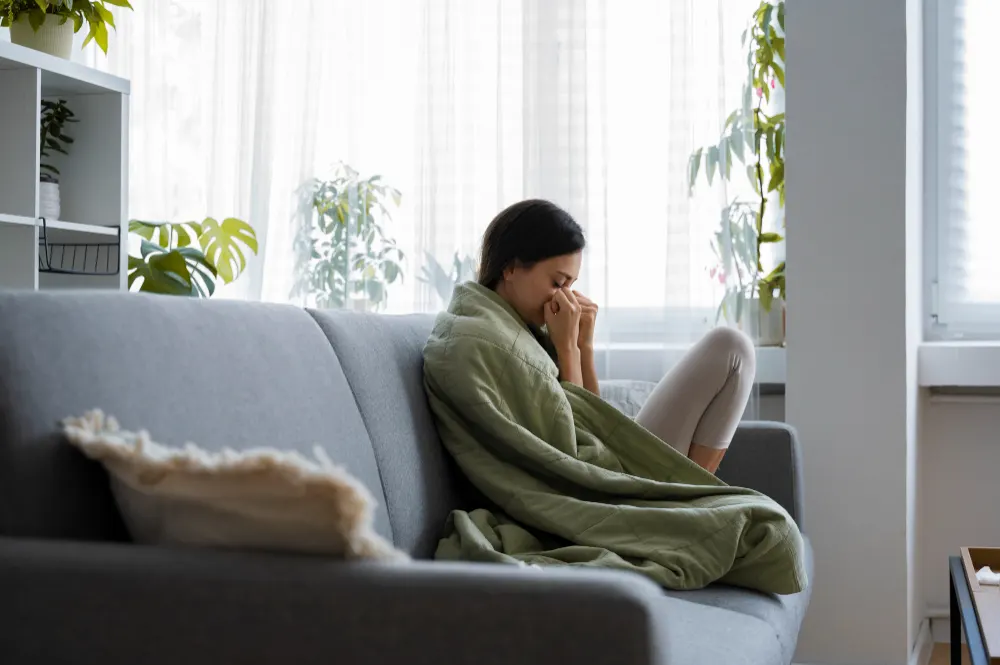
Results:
<point x="576" y="481"/>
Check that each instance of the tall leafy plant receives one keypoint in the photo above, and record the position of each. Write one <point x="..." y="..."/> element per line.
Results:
<point x="344" y="253"/>
<point x="55" y="116"/>
<point x="95" y="13"/>
<point x="189" y="258"/>
<point x="756" y="140"/>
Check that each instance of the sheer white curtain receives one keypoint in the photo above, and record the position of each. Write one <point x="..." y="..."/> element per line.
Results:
<point x="465" y="107"/>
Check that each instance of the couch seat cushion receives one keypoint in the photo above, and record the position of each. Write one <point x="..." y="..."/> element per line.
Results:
<point x="782" y="613"/>
<point x="705" y="635"/>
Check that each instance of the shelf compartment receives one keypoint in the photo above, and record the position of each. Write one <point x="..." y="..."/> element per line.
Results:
<point x="97" y="259"/>
<point x="60" y="77"/>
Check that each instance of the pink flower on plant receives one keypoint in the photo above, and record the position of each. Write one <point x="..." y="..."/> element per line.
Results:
<point x="760" y="92"/>
<point x="772" y="84"/>
<point x="722" y="277"/>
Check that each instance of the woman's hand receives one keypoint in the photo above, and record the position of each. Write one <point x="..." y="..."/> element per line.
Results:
<point x="562" y="318"/>
<point x="588" y="319"/>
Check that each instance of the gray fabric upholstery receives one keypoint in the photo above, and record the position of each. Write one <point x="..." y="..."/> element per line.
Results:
<point x="705" y="635"/>
<point x="220" y="373"/>
<point x="783" y="614"/>
<point x="767" y="457"/>
<point x="383" y="359"/>
<point x="111" y="603"/>
<point x="239" y="374"/>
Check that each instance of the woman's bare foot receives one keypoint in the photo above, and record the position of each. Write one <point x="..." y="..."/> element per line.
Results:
<point x="705" y="457"/>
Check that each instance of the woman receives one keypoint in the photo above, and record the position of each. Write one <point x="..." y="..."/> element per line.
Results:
<point x="570" y="480"/>
<point x="531" y="257"/>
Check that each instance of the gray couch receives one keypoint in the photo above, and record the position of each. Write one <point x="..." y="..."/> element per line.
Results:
<point x="219" y="373"/>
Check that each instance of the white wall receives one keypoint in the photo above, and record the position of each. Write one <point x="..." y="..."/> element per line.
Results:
<point x="960" y="487"/>
<point x="851" y="379"/>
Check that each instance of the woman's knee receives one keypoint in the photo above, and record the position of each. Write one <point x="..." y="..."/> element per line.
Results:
<point x="735" y="344"/>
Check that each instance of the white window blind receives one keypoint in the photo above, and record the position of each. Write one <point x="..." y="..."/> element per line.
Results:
<point x="962" y="148"/>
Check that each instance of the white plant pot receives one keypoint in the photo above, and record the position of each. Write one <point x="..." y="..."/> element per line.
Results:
<point x="53" y="37"/>
<point x="766" y="328"/>
<point x="48" y="200"/>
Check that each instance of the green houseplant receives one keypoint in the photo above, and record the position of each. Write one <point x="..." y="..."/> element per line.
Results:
<point x="344" y="255"/>
<point x="48" y="25"/>
<point x="756" y="139"/>
<point x="53" y="138"/>
<point x="189" y="258"/>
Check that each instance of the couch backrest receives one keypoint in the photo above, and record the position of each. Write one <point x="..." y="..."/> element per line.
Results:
<point x="382" y="357"/>
<point x="218" y="373"/>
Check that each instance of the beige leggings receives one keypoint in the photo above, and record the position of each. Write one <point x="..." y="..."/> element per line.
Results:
<point x="701" y="400"/>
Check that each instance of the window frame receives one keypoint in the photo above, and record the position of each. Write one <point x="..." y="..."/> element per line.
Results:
<point x="943" y="321"/>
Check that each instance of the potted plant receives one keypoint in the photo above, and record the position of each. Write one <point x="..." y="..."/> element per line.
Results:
<point x="49" y="25"/>
<point x="344" y="257"/>
<point x="189" y="258"/>
<point x="753" y="135"/>
<point x="55" y="116"/>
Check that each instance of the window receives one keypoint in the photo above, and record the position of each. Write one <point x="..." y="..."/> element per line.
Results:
<point x="961" y="148"/>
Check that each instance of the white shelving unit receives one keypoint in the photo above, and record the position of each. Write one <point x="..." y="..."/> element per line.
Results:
<point x="92" y="235"/>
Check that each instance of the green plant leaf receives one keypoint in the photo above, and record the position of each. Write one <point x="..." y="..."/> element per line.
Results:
<point x="778" y="44"/>
<point x="105" y="15"/>
<point x="781" y="17"/>
<point x="769" y="238"/>
<point x="777" y="177"/>
<point x="101" y="36"/>
<point x="711" y="162"/>
<point x="694" y="163"/>
<point x="222" y="245"/>
<point x="766" y="295"/>
<point x="203" y="273"/>
<point x="35" y="18"/>
<point x="779" y="73"/>
<point x="165" y="273"/>
<point x="737" y="143"/>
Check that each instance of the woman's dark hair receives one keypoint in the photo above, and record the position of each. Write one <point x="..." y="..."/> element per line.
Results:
<point x="526" y="233"/>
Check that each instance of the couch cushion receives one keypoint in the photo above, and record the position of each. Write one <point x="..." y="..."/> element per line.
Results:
<point x="706" y="635"/>
<point x="783" y="613"/>
<point x="382" y="357"/>
<point x="222" y="373"/>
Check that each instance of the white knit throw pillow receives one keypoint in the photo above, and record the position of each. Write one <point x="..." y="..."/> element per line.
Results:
<point x="259" y="499"/>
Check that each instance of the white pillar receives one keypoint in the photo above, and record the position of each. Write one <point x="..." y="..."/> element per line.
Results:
<point x="854" y="319"/>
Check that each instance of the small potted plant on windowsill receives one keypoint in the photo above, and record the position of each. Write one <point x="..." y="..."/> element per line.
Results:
<point x="49" y="25"/>
<point x="55" y="116"/>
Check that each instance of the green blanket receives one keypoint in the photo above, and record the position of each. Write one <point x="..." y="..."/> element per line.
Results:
<point x="580" y="483"/>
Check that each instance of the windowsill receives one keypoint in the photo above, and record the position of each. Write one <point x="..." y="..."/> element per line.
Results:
<point x="959" y="364"/>
<point x="647" y="362"/>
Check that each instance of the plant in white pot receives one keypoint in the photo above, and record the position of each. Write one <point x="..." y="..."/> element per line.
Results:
<point x="55" y="116"/>
<point x="49" y="25"/>
<point x="753" y="135"/>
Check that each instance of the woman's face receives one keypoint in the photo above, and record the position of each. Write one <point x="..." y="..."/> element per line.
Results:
<point x="529" y="289"/>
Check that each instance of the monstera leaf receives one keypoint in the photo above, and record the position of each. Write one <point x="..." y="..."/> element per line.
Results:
<point x="222" y="245"/>
<point x="167" y="235"/>
<point x="188" y="258"/>
<point x="161" y="271"/>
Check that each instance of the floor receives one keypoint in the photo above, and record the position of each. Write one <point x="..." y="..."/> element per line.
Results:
<point x="941" y="655"/>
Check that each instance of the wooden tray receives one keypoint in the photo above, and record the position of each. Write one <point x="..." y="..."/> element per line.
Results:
<point x="985" y="598"/>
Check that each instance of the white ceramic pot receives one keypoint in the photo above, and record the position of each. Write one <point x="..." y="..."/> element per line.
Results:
<point x="48" y="200"/>
<point x="53" y="37"/>
<point x="765" y="328"/>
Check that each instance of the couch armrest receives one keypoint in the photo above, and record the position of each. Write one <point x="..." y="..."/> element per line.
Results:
<point x="102" y="602"/>
<point x="766" y="457"/>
